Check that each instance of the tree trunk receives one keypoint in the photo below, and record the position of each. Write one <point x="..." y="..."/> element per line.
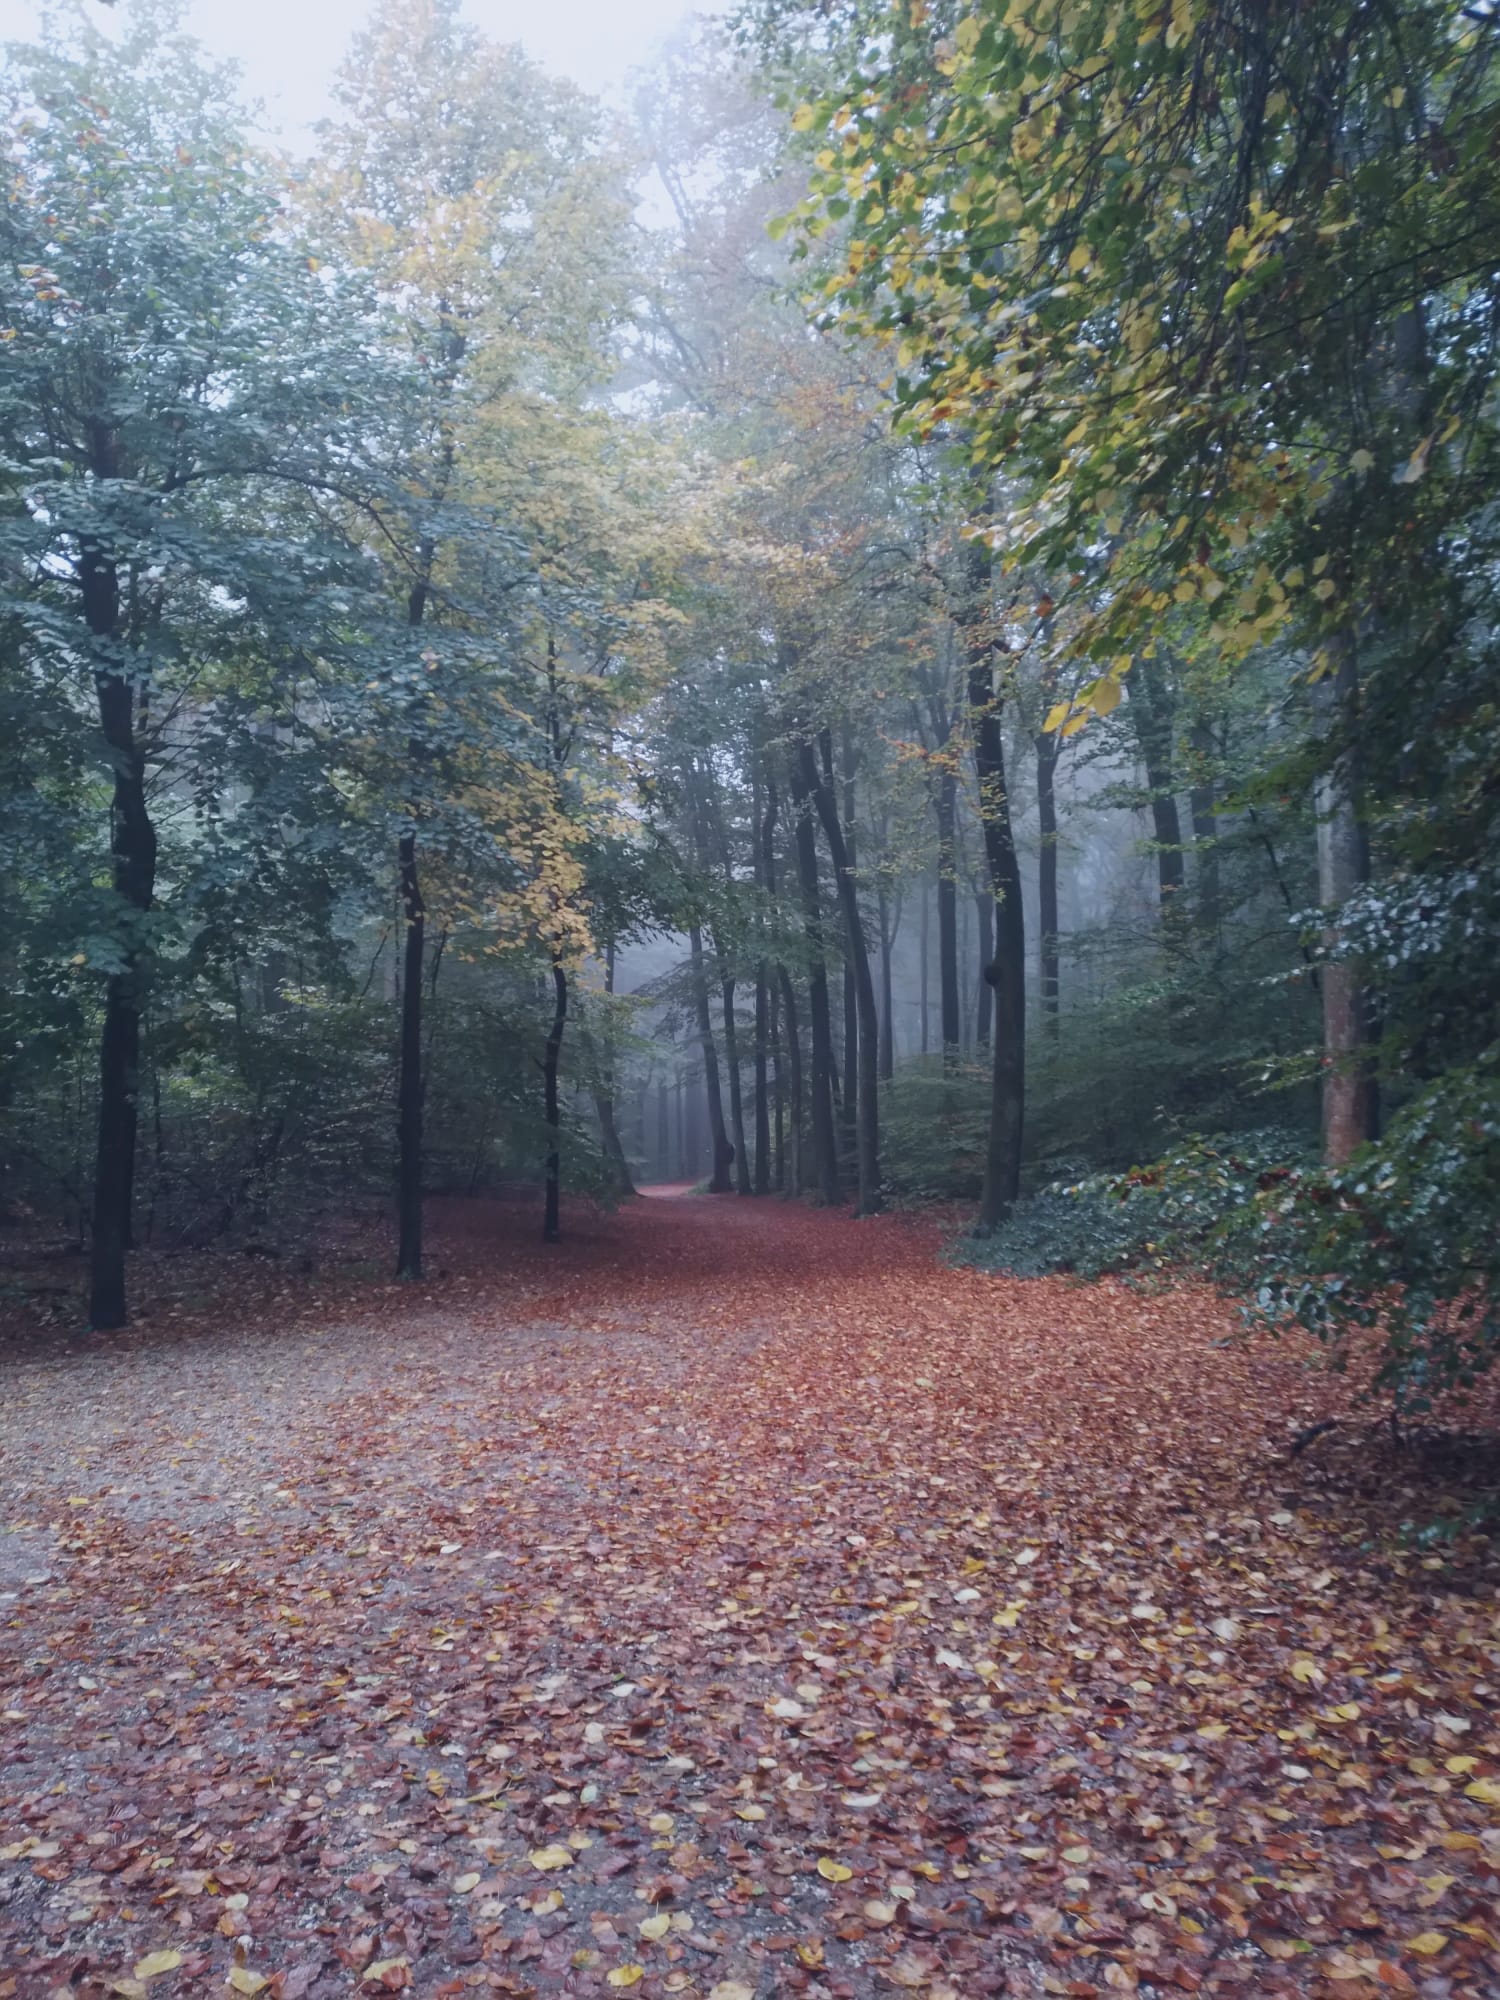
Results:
<point x="794" y="1181"/>
<point x="133" y="865"/>
<point x="924" y="957"/>
<point x="887" y="1051"/>
<point x="409" y="1079"/>
<point x="1002" y="1166"/>
<point x="947" y="909"/>
<point x="604" y="1097"/>
<point x="1350" y="1101"/>
<point x="867" y="1090"/>
<point x="736" y="1092"/>
<point x="723" y="1151"/>
<point x="1045" y="746"/>
<point x="984" y="916"/>
<point x="1152" y="711"/>
<point x="1205" y="831"/>
<point x="552" y="1185"/>
<point x="824" y="1135"/>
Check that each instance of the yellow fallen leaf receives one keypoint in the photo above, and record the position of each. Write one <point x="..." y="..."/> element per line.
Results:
<point x="833" y="1871"/>
<point x="1214" y="1730"/>
<point x="555" y="1856"/>
<point x="1075" y="1856"/>
<point x="656" y="1927"/>
<point x="732" y="1989"/>
<point x="749" y="1812"/>
<point x="243" y="1980"/>
<point x="1486" y="1790"/>
<point x="1306" y="1670"/>
<point x="627" y="1975"/>
<point x="384" y="1965"/>
<point x="464" y="1883"/>
<point x="662" y="1822"/>
<point x="155" y="1963"/>
<point x="1347" y="1711"/>
<point x="1429" y="1944"/>
<point x="1460" y="1766"/>
<point x="880" y="1914"/>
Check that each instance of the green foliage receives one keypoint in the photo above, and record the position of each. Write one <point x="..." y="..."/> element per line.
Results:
<point x="1402" y="1242"/>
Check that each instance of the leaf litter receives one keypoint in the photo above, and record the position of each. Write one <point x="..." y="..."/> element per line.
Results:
<point x="736" y="1602"/>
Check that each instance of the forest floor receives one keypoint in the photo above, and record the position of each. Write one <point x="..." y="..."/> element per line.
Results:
<point x="734" y="1600"/>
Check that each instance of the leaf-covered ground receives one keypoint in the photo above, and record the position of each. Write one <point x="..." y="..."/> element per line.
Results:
<point x="733" y="1601"/>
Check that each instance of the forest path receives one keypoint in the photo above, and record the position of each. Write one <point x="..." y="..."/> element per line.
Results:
<point x="878" y="1626"/>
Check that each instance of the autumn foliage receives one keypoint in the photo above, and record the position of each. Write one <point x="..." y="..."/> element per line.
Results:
<point x="717" y="1613"/>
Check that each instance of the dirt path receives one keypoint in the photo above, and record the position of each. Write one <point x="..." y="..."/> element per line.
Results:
<point x="734" y="1601"/>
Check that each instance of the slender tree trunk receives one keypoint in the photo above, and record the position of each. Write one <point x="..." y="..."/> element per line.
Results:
<point x="824" y="1135"/>
<point x="736" y="1092"/>
<point x="664" y="1160"/>
<point x="947" y="909"/>
<point x="133" y="865"/>
<point x="1002" y="1166"/>
<point x="604" y="1097"/>
<point x="551" y="1055"/>
<point x="778" y="1091"/>
<point x="1350" y="1101"/>
<point x="794" y="1180"/>
<point x="1045" y="747"/>
<point x="924" y="955"/>
<point x="867" y="1091"/>
<point x="723" y="1151"/>
<point x="887" y="1051"/>
<point x="409" y="1077"/>
<point x="984" y="917"/>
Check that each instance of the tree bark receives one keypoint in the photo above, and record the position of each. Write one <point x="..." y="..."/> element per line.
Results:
<point x="947" y="910"/>
<point x="984" y="915"/>
<point x="887" y="1052"/>
<point x="1002" y="1165"/>
<point x="1045" y="747"/>
<point x="866" y="1091"/>
<point x="824" y="1134"/>
<point x="133" y="869"/>
<point x="604" y="1097"/>
<point x="1205" y="831"/>
<point x="793" y="1180"/>
<point x="1152" y="711"/>
<point x="736" y="1092"/>
<point x="1350" y="1099"/>
<point x="723" y="1151"/>
<point x="409" y="1079"/>
<point x="552" y="1183"/>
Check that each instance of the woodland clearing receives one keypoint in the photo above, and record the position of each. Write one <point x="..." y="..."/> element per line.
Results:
<point x="730" y="1601"/>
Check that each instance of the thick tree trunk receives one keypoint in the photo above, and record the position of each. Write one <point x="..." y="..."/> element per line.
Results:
<point x="409" y="1078"/>
<point x="133" y="864"/>
<point x="1350" y="1099"/>
<point x="551" y="1055"/>
<point x="984" y="917"/>
<point x="1002" y="1166"/>
<point x="947" y="910"/>
<point x="824" y="1134"/>
<point x="866" y="1090"/>
<point x="723" y="1151"/>
<point x="1045" y="747"/>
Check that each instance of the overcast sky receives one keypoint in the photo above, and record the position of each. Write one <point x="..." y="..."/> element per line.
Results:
<point x="288" y="49"/>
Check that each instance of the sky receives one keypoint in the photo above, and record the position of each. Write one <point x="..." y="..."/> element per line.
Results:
<point x="289" y="49"/>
